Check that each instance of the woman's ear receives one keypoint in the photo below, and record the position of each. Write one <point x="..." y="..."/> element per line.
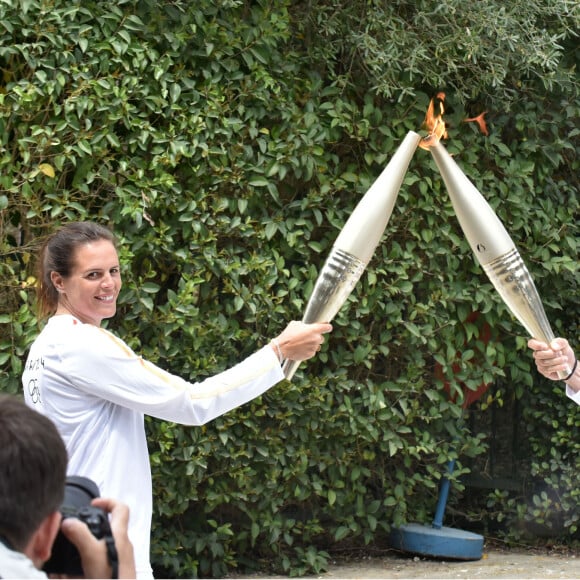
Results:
<point x="57" y="281"/>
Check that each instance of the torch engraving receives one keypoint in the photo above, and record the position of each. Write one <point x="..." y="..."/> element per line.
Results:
<point x="512" y="280"/>
<point x="334" y="284"/>
<point x="356" y="243"/>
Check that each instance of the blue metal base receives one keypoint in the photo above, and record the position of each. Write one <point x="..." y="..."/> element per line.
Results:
<point x="437" y="542"/>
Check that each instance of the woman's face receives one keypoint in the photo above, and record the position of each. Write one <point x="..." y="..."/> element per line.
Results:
<point x="90" y="292"/>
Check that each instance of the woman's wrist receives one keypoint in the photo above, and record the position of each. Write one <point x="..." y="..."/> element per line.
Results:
<point x="574" y="367"/>
<point x="275" y="344"/>
<point x="572" y="380"/>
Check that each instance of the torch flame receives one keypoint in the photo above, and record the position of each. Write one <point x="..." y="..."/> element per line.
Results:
<point x="434" y="122"/>
<point x="480" y="120"/>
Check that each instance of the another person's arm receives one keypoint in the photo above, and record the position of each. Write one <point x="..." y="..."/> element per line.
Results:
<point x="554" y="357"/>
<point x="93" y="552"/>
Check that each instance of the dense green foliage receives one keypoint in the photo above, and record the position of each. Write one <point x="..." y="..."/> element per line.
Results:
<point x="497" y="52"/>
<point x="227" y="143"/>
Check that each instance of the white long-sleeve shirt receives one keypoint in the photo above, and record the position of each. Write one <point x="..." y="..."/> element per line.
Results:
<point x="574" y="395"/>
<point x="97" y="391"/>
<point x="16" y="565"/>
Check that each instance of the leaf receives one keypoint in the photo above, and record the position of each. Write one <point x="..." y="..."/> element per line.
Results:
<point x="47" y="169"/>
<point x="175" y="92"/>
<point x="150" y="287"/>
<point x="259" y="182"/>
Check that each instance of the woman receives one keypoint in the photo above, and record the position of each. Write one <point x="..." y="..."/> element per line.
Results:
<point x="97" y="390"/>
<point x="555" y="357"/>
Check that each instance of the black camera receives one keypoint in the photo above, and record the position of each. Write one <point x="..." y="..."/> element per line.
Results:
<point x="78" y="493"/>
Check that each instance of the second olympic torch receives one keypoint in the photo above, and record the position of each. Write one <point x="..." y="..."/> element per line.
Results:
<point x="356" y="243"/>
<point x="494" y="249"/>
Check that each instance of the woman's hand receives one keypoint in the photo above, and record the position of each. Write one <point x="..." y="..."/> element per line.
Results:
<point x="300" y="341"/>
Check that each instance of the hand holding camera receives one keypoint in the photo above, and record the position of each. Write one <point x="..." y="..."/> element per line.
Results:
<point x="90" y="545"/>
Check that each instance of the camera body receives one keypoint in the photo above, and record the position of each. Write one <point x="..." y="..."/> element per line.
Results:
<point x="65" y="558"/>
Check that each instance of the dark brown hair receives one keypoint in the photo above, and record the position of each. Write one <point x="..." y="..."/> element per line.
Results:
<point x="33" y="463"/>
<point x="58" y="254"/>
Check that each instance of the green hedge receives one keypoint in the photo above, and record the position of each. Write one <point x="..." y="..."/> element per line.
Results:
<point x="227" y="143"/>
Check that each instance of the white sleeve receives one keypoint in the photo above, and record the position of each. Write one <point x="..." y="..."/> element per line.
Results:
<point x="574" y="395"/>
<point x="100" y="364"/>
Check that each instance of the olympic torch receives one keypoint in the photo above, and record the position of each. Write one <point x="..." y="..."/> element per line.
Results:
<point x="494" y="249"/>
<point x="356" y="243"/>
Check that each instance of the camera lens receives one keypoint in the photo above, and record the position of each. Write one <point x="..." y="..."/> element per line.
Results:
<point x="79" y="492"/>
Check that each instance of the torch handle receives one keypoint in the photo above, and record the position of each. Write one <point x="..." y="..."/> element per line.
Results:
<point x="289" y="368"/>
<point x="548" y="338"/>
<point x="564" y="374"/>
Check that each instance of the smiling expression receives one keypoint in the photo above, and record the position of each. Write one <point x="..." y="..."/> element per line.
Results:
<point x="90" y="292"/>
